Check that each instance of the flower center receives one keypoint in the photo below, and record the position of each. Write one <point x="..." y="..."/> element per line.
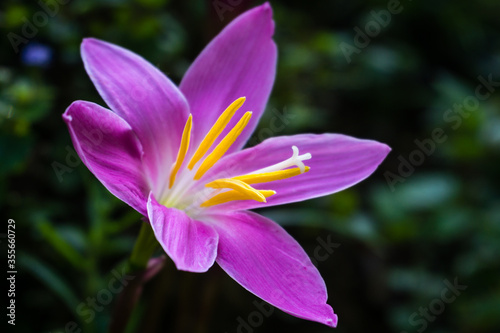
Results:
<point x="238" y="187"/>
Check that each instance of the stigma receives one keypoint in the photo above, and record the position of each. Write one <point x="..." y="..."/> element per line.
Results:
<point x="237" y="187"/>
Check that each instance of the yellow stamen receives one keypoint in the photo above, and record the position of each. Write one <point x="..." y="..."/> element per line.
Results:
<point x="231" y="196"/>
<point x="239" y="187"/>
<point x="223" y="146"/>
<point x="270" y="176"/>
<point x="215" y="131"/>
<point x="186" y="134"/>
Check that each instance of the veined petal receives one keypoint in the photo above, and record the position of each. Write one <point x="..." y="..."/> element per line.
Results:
<point x="265" y="260"/>
<point x="338" y="162"/>
<point x="143" y="96"/>
<point x="110" y="149"/>
<point x="191" y="244"/>
<point x="239" y="62"/>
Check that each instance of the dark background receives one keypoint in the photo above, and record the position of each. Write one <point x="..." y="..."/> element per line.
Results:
<point x="427" y="217"/>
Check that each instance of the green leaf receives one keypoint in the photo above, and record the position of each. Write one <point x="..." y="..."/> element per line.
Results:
<point x="61" y="245"/>
<point x="50" y="278"/>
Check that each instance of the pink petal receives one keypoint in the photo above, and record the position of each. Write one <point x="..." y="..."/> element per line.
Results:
<point x="240" y="61"/>
<point x="269" y="263"/>
<point x="191" y="244"/>
<point x="338" y="162"/>
<point x="109" y="148"/>
<point x="144" y="97"/>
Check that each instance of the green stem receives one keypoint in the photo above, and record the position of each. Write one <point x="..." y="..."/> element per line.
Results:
<point x="144" y="248"/>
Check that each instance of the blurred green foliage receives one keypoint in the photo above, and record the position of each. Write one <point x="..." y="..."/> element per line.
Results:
<point x="399" y="243"/>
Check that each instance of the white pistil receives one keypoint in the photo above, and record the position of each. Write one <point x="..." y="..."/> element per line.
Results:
<point x="295" y="160"/>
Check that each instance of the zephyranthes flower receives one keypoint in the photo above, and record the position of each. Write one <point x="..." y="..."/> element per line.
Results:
<point x="174" y="154"/>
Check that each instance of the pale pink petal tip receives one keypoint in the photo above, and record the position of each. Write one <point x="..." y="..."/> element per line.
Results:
<point x="332" y="322"/>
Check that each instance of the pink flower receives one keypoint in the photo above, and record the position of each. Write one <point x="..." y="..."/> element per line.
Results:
<point x="174" y="154"/>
